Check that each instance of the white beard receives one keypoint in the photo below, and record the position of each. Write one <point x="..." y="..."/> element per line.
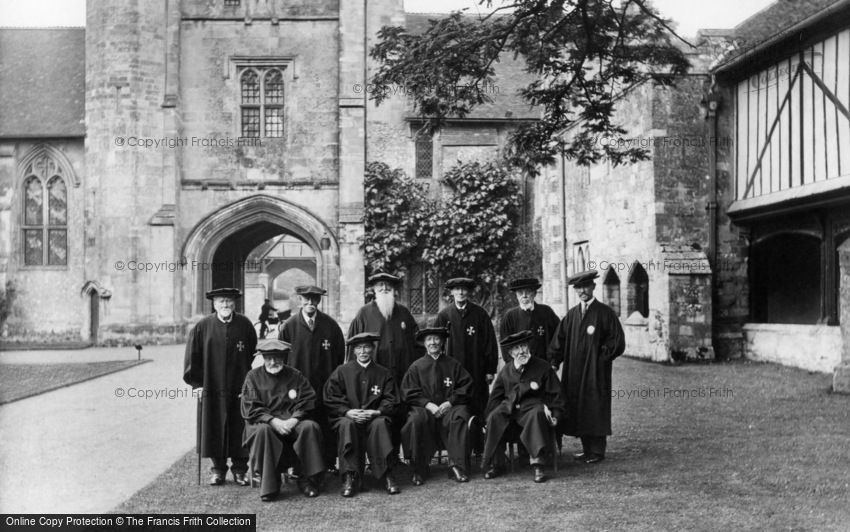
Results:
<point x="274" y="370"/>
<point x="386" y="304"/>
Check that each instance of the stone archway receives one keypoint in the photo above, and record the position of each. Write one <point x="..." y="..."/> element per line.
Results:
<point x="254" y="218"/>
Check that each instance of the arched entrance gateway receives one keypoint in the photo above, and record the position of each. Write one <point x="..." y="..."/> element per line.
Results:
<point x="216" y="250"/>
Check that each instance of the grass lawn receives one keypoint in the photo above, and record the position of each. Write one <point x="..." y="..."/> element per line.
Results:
<point x="748" y="446"/>
<point x="19" y="381"/>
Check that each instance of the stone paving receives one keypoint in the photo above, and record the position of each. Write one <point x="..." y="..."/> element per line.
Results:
<point x="90" y="446"/>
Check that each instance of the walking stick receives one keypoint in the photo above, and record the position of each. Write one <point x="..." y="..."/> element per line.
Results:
<point x="198" y="424"/>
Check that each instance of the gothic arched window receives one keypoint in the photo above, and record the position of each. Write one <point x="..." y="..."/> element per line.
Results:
<point x="611" y="290"/>
<point x="45" y="223"/>
<point x="637" y="294"/>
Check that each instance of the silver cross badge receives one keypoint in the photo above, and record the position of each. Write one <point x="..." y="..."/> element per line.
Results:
<point x="470" y="331"/>
<point x="375" y="390"/>
<point x="326" y="345"/>
<point x="240" y="346"/>
<point x="448" y="382"/>
<point x="541" y="331"/>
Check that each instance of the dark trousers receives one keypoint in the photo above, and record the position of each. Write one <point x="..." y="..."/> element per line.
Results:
<point x="594" y="446"/>
<point x="373" y="438"/>
<point x="423" y="433"/>
<point x="535" y="433"/>
<point x="328" y="434"/>
<point x="237" y="464"/>
<point x="272" y="452"/>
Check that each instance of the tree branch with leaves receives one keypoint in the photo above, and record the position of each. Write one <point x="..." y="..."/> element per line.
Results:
<point x="583" y="55"/>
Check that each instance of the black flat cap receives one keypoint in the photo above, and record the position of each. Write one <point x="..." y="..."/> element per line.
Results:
<point x="224" y="292"/>
<point x="363" y="338"/>
<point x="310" y="290"/>
<point x="385" y="277"/>
<point x="583" y="278"/>
<point x="530" y="283"/>
<point x="272" y="346"/>
<point x="522" y="337"/>
<point x="460" y="281"/>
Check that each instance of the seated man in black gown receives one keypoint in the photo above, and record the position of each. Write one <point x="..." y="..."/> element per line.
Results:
<point x="277" y="401"/>
<point x="361" y="399"/>
<point x="438" y="391"/>
<point x="526" y="395"/>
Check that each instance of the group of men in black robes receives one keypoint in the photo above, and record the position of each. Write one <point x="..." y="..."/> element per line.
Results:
<point x="306" y="399"/>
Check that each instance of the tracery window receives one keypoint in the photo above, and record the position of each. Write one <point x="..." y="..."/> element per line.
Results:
<point x="45" y="214"/>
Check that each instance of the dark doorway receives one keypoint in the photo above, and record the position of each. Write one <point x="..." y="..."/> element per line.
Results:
<point x="786" y="279"/>
<point x="231" y="257"/>
<point x="254" y="258"/>
<point x="94" y="314"/>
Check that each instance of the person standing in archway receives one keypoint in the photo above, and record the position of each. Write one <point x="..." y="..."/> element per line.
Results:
<point x="264" y="317"/>
<point x="219" y="353"/>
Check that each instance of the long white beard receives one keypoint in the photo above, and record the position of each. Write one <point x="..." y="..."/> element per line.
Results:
<point x="386" y="304"/>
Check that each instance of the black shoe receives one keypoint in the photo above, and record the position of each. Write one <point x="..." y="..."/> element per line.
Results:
<point x="217" y="479"/>
<point x="539" y="475"/>
<point x="417" y="479"/>
<point x="457" y="474"/>
<point x="267" y="498"/>
<point x="594" y="459"/>
<point x="492" y="472"/>
<point x="349" y="484"/>
<point x="392" y="487"/>
<point x="579" y="457"/>
<point x="308" y="488"/>
<point x="240" y="478"/>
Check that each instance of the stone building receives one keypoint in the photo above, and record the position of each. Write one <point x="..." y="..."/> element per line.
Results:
<point x="729" y="240"/>
<point x="166" y="149"/>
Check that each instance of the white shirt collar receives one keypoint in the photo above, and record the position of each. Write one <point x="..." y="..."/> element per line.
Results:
<point x="224" y="321"/>
<point x="307" y="318"/>
<point x="364" y="366"/>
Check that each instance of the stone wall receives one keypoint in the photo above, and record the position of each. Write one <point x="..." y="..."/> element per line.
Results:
<point x="811" y="347"/>
<point x="731" y="286"/>
<point x="635" y="214"/>
<point x="48" y="305"/>
<point x="212" y="53"/>
<point x="125" y="93"/>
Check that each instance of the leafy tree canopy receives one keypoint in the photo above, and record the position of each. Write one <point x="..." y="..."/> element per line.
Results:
<point x="582" y="54"/>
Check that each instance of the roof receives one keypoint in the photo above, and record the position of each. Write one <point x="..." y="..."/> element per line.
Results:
<point x="510" y="77"/>
<point x="42" y="82"/>
<point x="784" y="23"/>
